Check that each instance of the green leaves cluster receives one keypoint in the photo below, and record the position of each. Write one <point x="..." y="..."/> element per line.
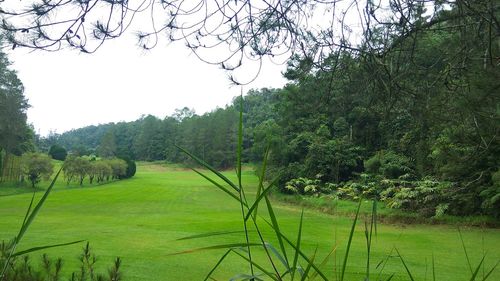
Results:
<point x="36" y="166"/>
<point x="77" y="168"/>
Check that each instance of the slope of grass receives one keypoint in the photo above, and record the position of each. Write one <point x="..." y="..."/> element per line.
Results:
<point x="139" y="219"/>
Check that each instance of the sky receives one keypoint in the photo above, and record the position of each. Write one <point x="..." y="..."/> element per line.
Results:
<point x="120" y="82"/>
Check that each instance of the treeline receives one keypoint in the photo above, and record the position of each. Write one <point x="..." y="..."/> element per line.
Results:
<point x="212" y="136"/>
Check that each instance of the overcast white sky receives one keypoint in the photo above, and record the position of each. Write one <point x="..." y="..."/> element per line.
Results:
<point x="120" y="82"/>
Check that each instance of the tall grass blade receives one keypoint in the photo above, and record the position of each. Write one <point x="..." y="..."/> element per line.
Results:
<point x="209" y="167"/>
<point x="304" y="256"/>
<point x="217" y="265"/>
<point x="240" y="186"/>
<point x="474" y="274"/>
<point x="261" y="181"/>
<point x="258" y="266"/>
<point x="219" y="186"/>
<point x="433" y="269"/>
<point x="216" y="247"/>
<point x="27" y="222"/>
<point x="34" y="249"/>
<point x="243" y="277"/>
<point x="253" y="208"/>
<point x="209" y="234"/>
<point x="308" y="268"/>
<point x="491" y="271"/>
<point x="240" y="140"/>
<point x="406" y="266"/>
<point x="390" y="277"/>
<point x="276" y="227"/>
<point x="277" y="254"/>
<point x="323" y="263"/>
<point x="368" y="236"/>
<point x="37" y="208"/>
<point x="465" y="249"/>
<point x="29" y="208"/>
<point x="299" y="239"/>
<point x="351" y="234"/>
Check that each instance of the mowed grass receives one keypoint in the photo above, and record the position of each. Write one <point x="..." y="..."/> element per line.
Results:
<point x="140" y="219"/>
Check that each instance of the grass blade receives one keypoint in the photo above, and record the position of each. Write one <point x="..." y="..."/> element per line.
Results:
<point x="474" y="274"/>
<point x="323" y="263"/>
<point x="465" y="249"/>
<point x="209" y="167"/>
<point x="37" y="208"/>
<point x="299" y="238"/>
<point x="351" y="234"/>
<point x="240" y="140"/>
<point x="277" y="254"/>
<point x="253" y="208"/>
<point x="308" y="268"/>
<point x="28" y="219"/>
<point x="491" y="271"/>
<point x="272" y="276"/>
<point x="406" y="267"/>
<point x="216" y="247"/>
<point x="304" y="256"/>
<point x="433" y="269"/>
<point x="261" y="180"/>
<point x="217" y="264"/>
<point x="209" y="234"/>
<point x="34" y="249"/>
<point x="276" y="227"/>
<point x="218" y="185"/>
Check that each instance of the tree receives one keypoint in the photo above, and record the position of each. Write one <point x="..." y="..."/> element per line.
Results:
<point x="75" y="166"/>
<point x="107" y="147"/>
<point x="244" y="30"/>
<point x="36" y="166"/>
<point x="15" y="135"/>
<point x="58" y="152"/>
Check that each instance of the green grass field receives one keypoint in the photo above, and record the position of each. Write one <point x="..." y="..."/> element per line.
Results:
<point x="139" y="219"/>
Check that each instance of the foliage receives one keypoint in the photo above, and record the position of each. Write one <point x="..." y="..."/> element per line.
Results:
<point x="22" y="269"/>
<point x="308" y="186"/>
<point x="428" y="197"/>
<point x="107" y="146"/>
<point x="16" y="136"/>
<point x="131" y="168"/>
<point x="389" y="164"/>
<point x="76" y="167"/>
<point x="491" y="196"/>
<point x="36" y="166"/>
<point x="58" y="152"/>
<point x="80" y="167"/>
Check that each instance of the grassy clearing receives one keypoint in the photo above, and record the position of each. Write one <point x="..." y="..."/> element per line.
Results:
<point x="139" y="220"/>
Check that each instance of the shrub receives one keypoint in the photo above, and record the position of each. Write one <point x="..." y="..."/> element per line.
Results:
<point x="389" y="164"/>
<point x="76" y="167"/>
<point x="36" y="166"/>
<point x="428" y="197"/>
<point x="131" y="168"/>
<point x="491" y="196"/>
<point x="58" y="152"/>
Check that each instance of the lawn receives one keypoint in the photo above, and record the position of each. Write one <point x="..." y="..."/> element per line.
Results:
<point x="139" y="220"/>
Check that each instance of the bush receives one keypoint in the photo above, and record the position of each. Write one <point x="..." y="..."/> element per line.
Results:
<point x="36" y="166"/>
<point x="427" y="197"/>
<point x="131" y="168"/>
<point x="491" y="196"/>
<point x="389" y="164"/>
<point x="58" y="152"/>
